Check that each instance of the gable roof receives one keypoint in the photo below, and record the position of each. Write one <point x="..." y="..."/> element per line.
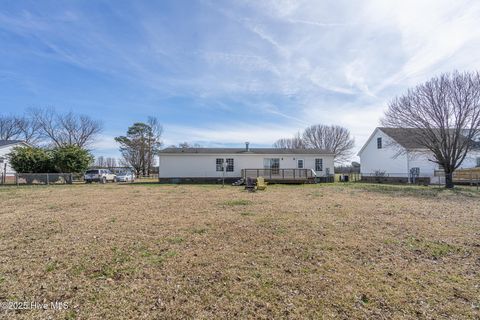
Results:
<point x="409" y="137"/>
<point x="4" y="143"/>
<point x="405" y="137"/>
<point x="242" y="151"/>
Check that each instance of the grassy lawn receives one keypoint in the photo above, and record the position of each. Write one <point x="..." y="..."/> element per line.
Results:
<point x="201" y="251"/>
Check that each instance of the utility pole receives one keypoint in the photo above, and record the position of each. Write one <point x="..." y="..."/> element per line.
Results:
<point x="4" y="178"/>
<point x="223" y="174"/>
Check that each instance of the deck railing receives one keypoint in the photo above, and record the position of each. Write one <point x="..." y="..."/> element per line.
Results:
<point x="280" y="174"/>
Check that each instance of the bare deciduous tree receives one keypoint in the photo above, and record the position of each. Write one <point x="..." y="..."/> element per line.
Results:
<point x="9" y="129"/>
<point x="334" y="138"/>
<point x="100" y="162"/>
<point x="29" y="130"/>
<point x="64" y="129"/>
<point x="446" y="113"/>
<point x="185" y="145"/>
<point x="19" y="128"/>
<point x="153" y="142"/>
<point x="110" y="162"/>
<point x="107" y="162"/>
<point x="290" y="143"/>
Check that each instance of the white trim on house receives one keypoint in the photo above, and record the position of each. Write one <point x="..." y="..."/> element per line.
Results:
<point x="370" y="138"/>
<point x="14" y="145"/>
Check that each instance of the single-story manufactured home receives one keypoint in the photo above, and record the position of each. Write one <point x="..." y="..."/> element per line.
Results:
<point x="393" y="154"/>
<point x="178" y="165"/>
<point x="6" y="146"/>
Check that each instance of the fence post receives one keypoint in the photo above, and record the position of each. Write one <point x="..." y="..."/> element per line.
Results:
<point x="48" y="179"/>
<point x="16" y="179"/>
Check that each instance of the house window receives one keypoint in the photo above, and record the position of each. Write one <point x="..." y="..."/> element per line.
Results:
<point x="318" y="164"/>
<point x="219" y="163"/>
<point x="478" y="161"/>
<point x="300" y="163"/>
<point x="379" y="143"/>
<point x="230" y="166"/>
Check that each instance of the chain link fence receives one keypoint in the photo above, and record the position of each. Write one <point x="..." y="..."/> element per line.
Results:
<point x="38" y="178"/>
<point x="382" y="177"/>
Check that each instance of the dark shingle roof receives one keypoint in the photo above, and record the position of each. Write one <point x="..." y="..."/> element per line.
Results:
<point x="243" y="151"/>
<point x="9" y="142"/>
<point x="409" y="137"/>
<point x="404" y="136"/>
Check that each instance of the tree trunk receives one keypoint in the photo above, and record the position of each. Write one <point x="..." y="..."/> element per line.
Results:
<point x="449" y="180"/>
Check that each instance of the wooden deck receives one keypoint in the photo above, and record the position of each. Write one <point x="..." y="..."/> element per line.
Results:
<point x="281" y="175"/>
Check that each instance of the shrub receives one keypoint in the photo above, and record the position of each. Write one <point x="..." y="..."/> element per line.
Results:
<point x="31" y="160"/>
<point x="71" y="159"/>
<point x="68" y="159"/>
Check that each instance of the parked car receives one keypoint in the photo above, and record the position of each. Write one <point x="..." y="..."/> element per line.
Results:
<point x="99" y="175"/>
<point x="126" y="176"/>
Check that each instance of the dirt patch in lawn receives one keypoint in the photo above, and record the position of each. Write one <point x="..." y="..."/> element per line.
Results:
<point x="203" y="251"/>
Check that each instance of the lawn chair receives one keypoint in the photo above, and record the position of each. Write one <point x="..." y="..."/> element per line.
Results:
<point x="239" y="182"/>
<point x="250" y="184"/>
<point x="261" y="184"/>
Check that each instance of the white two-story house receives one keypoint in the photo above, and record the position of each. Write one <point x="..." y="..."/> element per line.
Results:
<point x="393" y="153"/>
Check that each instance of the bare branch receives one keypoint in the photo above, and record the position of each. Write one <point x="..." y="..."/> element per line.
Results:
<point x="63" y="129"/>
<point x="334" y="138"/>
<point x="290" y="143"/>
<point x="445" y="112"/>
<point x="9" y="128"/>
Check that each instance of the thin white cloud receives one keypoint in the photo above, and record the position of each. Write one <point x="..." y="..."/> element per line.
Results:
<point x="237" y="133"/>
<point x="288" y="64"/>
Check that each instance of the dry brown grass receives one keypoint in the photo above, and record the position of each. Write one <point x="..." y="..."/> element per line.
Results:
<point x="314" y="251"/>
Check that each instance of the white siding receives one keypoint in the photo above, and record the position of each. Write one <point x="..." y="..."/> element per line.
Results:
<point x="373" y="159"/>
<point x="204" y="165"/>
<point x="385" y="159"/>
<point x="4" y="151"/>
<point x="471" y="159"/>
<point x="427" y="167"/>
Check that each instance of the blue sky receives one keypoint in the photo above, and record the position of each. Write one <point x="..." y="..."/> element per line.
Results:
<point x="225" y="72"/>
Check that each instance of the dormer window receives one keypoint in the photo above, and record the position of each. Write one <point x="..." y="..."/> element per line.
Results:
<point x="379" y="143"/>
